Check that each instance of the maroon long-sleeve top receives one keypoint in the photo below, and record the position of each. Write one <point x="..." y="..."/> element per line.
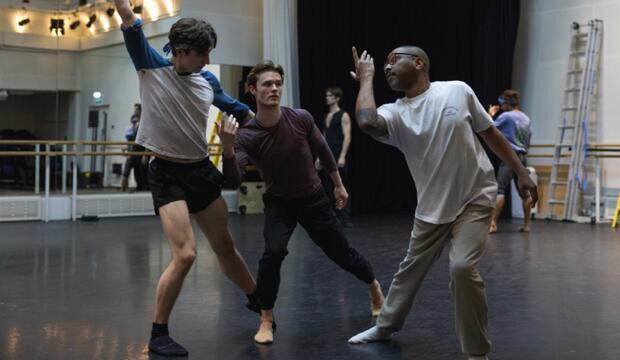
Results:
<point x="283" y="154"/>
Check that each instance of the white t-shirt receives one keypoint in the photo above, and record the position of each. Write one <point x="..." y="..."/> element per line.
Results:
<point x="435" y="132"/>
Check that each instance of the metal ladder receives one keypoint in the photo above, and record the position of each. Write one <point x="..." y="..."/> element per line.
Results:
<point x="566" y="188"/>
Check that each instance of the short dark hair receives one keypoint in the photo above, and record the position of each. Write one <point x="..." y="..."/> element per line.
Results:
<point x="261" y="68"/>
<point x="416" y="51"/>
<point x="336" y="91"/>
<point x="189" y="33"/>
<point x="512" y="97"/>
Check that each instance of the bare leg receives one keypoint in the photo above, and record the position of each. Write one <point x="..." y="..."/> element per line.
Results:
<point x="499" y="205"/>
<point x="376" y="297"/>
<point x="527" y="215"/>
<point x="214" y="223"/>
<point x="177" y="227"/>
<point x="265" y="329"/>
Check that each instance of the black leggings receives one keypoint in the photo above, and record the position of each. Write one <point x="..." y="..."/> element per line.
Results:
<point x="315" y="214"/>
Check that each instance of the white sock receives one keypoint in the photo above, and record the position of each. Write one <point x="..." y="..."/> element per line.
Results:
<point x="371" y="335"/>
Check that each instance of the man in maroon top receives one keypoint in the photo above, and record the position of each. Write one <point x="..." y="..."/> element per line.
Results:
<point x="281" y="142"/>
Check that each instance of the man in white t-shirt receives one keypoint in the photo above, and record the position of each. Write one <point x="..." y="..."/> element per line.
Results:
<point x="435" y="127"/>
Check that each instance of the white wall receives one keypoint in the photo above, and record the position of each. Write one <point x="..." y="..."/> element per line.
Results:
<point x="44" y="70"/>
<point x="540" y="66"/>
<point x="239" y="27"/>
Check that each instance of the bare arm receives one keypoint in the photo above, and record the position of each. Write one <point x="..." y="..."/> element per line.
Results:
<point x="125" y="12"/>
<point x="500" y="146"/>
<point x="346" y="130"/>
<point x="365" y="107"/>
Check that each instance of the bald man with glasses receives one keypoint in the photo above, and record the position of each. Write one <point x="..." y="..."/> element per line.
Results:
<point x="434" y="126"/>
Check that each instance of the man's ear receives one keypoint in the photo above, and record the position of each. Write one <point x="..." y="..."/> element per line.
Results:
<point x="419" y="63"/>
<point x="252" y="89"/>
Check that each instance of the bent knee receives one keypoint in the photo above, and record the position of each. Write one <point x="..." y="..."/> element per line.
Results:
<point x="462" y="269"/>
<point x="185" y="258"/>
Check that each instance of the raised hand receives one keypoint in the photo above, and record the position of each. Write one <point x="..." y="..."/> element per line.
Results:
<point x="493" y="109"/>
<point x="364" y="66"/>
<point x="227" y="131"/>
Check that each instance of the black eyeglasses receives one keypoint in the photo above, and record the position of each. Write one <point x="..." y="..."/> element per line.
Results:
<point x="394" y="57"/>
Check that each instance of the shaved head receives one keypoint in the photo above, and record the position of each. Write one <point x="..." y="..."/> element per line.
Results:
<point x="414" y="50"/>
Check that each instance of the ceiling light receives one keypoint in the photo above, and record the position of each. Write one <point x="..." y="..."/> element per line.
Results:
<point x="57" y="26"/>
<point x="91" y="20"/>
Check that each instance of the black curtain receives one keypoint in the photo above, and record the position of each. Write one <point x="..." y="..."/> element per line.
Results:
<point x="467" y="40"/>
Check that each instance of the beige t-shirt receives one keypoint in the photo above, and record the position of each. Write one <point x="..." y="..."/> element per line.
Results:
<point x="435" y="131"/>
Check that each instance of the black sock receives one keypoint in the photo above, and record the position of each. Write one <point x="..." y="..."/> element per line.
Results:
<point x="159" y="330"/>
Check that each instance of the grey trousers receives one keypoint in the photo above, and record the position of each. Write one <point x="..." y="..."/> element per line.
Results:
<point x="467" y="234"/>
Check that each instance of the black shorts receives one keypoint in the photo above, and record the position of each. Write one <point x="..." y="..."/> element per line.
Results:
<point x="505" y="175"/>
<point x="199" y="183"/>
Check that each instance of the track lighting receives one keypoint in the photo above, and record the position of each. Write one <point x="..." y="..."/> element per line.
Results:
<point x="57" y="27"/>
<point x="91" y="20"/>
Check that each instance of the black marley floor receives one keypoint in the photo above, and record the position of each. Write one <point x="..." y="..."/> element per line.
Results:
<point x="85" y="290"/>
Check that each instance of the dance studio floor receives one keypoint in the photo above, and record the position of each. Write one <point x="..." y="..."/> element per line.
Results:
<point x="85" y="290"/>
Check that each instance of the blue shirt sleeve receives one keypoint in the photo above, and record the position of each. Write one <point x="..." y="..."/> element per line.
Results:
<point x="224" y="101"/>
<point x="141" y="53"/>
<point x="506" y="125"/>
<point x="500" y="121"/>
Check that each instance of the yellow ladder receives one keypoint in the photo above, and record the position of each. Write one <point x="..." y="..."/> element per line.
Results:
<point x="214" y="149"/>
<point x="614" y="222"/>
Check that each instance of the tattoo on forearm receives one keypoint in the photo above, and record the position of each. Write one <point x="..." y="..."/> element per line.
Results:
<point x="370" y="122"/>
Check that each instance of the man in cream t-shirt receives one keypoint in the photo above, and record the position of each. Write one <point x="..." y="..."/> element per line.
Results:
<point x="445" y="187"/>
<point x="435" y="127"/>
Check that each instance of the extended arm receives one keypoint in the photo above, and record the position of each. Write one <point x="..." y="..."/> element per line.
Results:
<point x="125" y="12"/>
<point x="346" y="130"/>
<point x="227" y="103"/>
<point x="365" y="107"/>
<point x="500" y="146"/>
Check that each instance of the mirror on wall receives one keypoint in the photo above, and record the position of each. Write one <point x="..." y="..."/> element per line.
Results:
<point x="65" y="75"/>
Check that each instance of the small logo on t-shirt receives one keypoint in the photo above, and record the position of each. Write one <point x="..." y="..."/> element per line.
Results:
<point x="449" y="111"/>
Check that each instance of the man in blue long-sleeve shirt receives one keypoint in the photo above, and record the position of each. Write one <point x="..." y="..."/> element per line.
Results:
<point x="176" y="95"/>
